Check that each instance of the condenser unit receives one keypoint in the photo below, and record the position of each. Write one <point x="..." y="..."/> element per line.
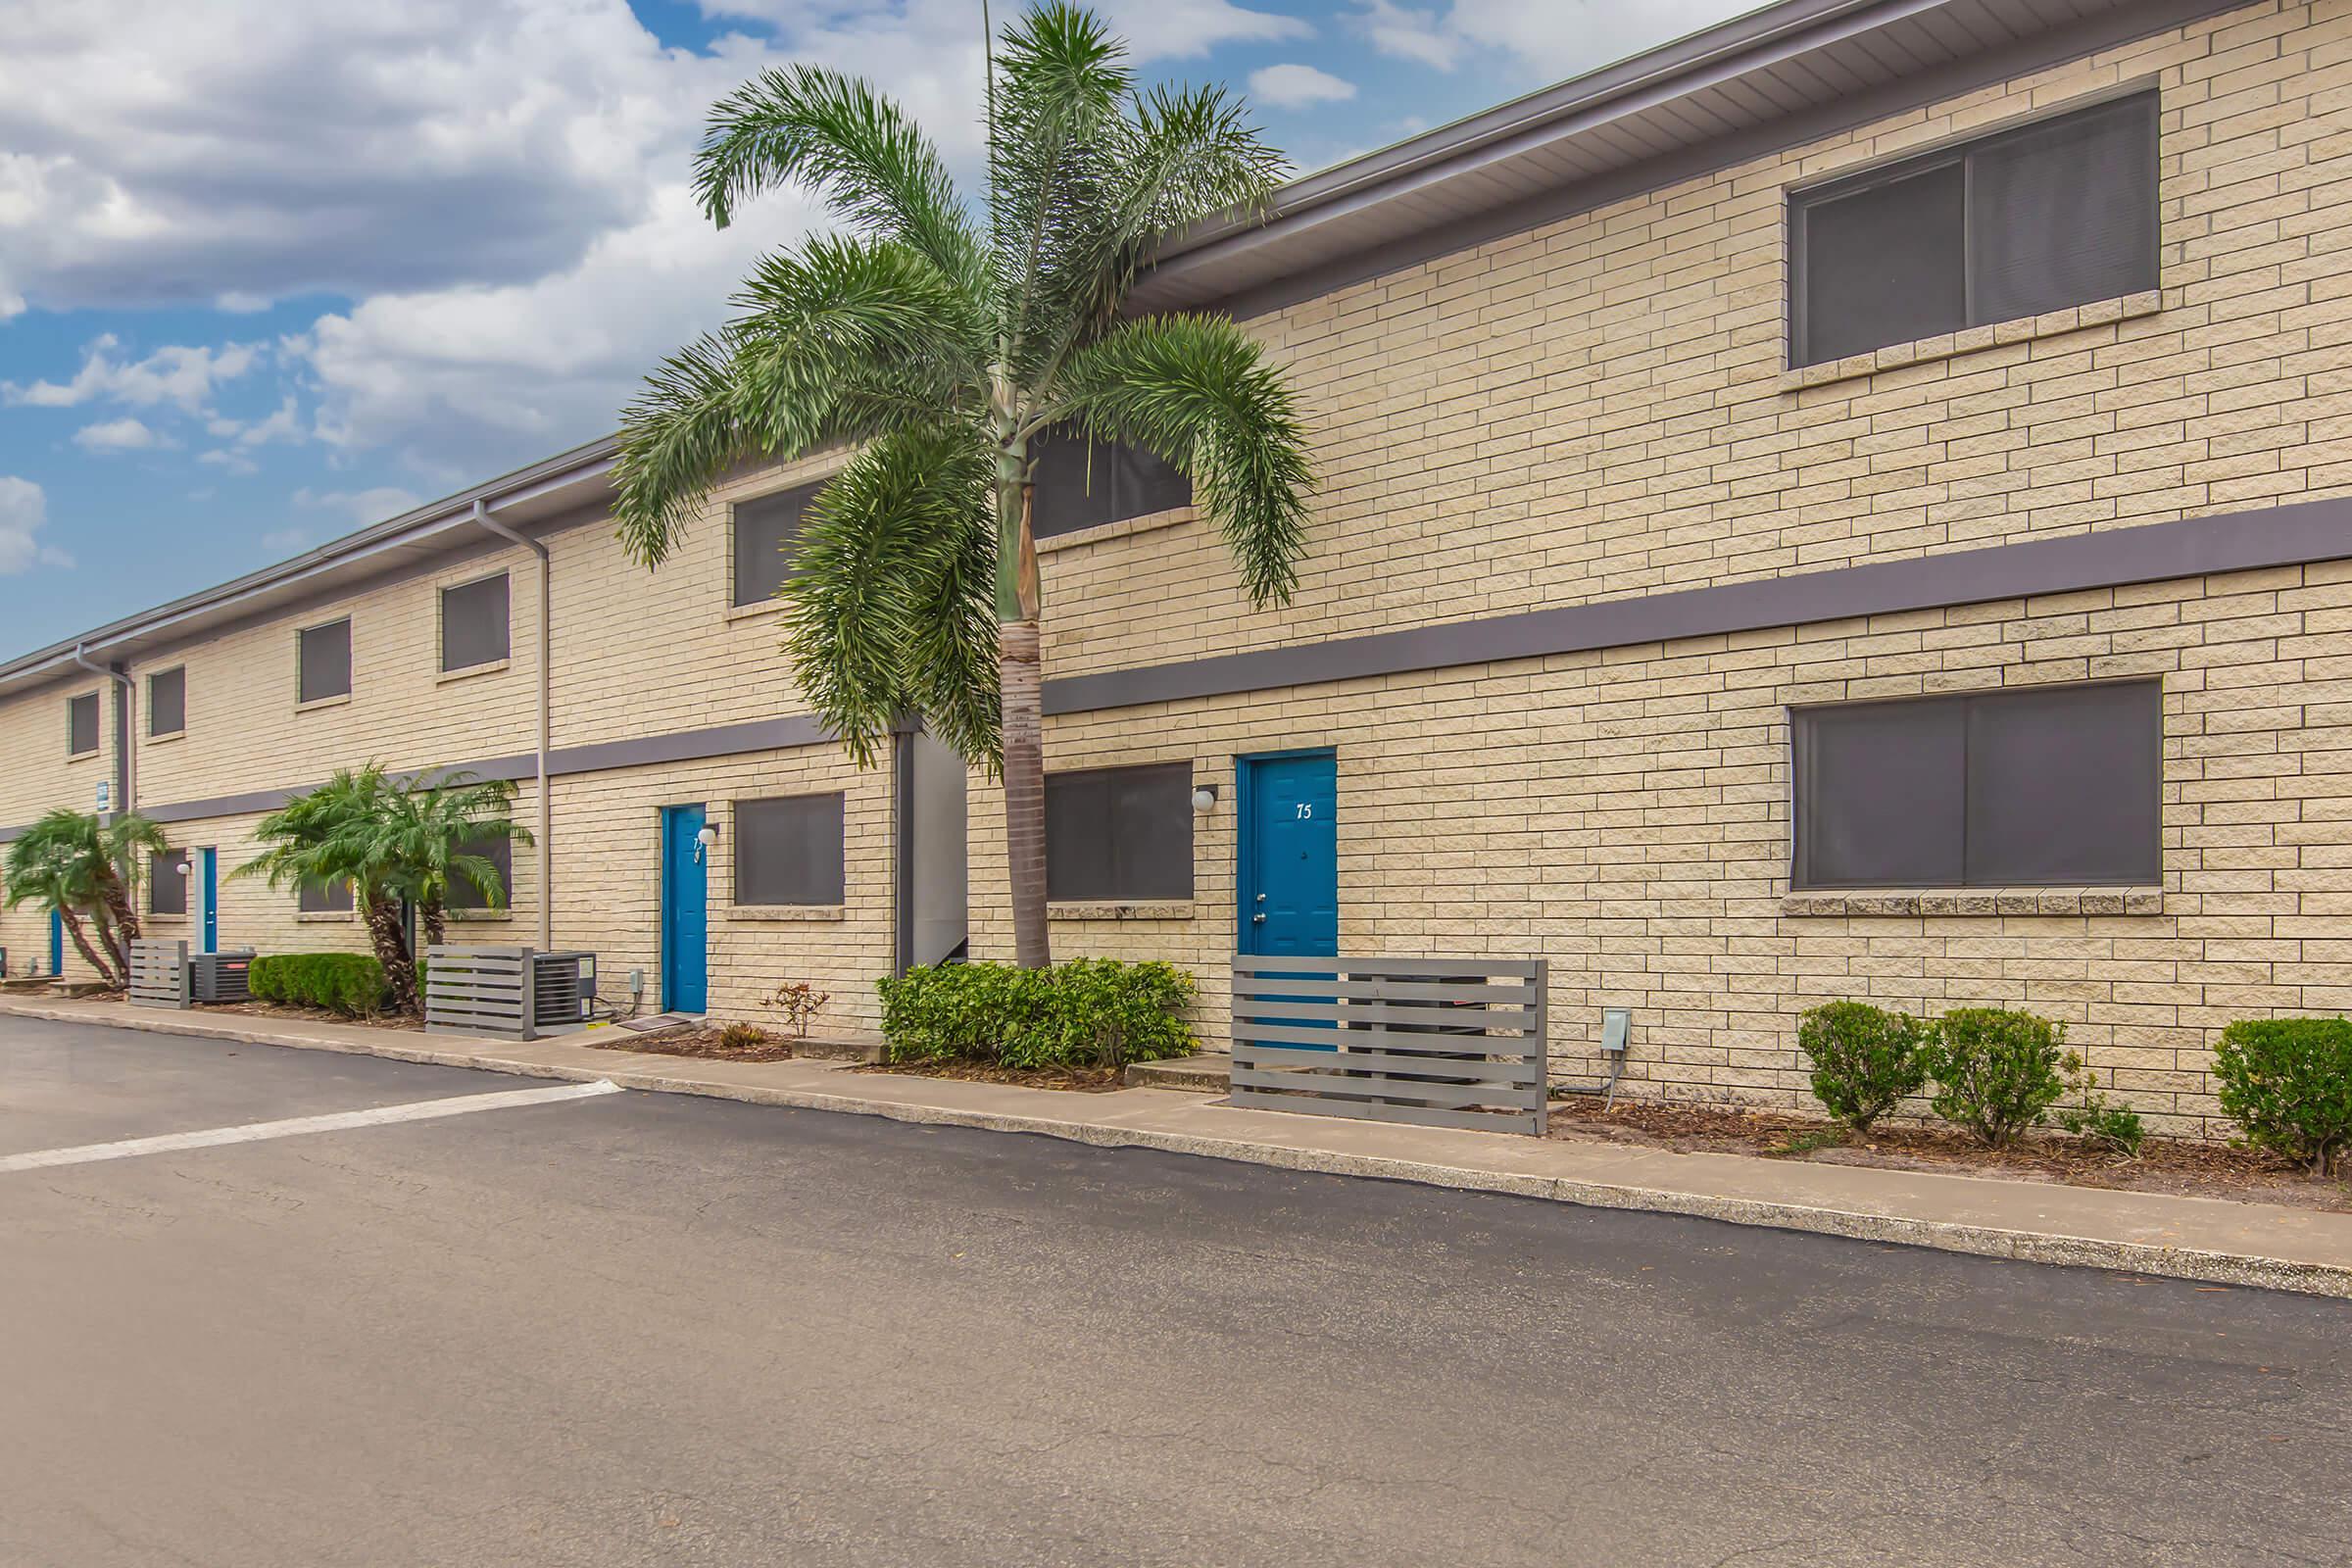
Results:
<point x="221" y="976"/>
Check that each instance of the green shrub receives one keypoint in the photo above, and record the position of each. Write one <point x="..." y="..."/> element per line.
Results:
<point x="2288" y="1083"/>
<point x="1996" y="1072"/>
<point x="350" y="984"/>
<point x="2089" y="1115"/>
<point x="742" y="1037"/>
<point x="1087" y="1012"/>
<point x="1864" y="1059"/>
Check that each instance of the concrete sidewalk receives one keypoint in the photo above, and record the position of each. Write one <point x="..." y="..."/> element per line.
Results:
<point x="2187" y="1238"/>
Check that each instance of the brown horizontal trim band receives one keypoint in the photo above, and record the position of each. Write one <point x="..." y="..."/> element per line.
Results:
<point x="679" y="745"/>
<point x="2194" y="547"/>
<point x="2019" y="58"/>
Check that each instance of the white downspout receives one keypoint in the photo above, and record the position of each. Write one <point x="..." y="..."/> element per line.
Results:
<point x="546" y="810"/>
<point x="131" y="727"/>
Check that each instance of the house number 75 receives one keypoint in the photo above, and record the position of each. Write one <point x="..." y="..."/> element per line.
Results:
<point x="1307" y="808"/>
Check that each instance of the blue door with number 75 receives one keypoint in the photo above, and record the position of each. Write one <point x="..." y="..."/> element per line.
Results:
<point x="685" y="910"/>
<point x="1289" y="875"/>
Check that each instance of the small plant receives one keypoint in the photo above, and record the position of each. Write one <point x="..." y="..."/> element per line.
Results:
<point x="1795" y="1146"/>
<point x="2288" y="1083"/>
<point x="1865" y="1059"/>
<point x="2089" y="1115"/>
<point x="800" y="1002"/>
<point x="742" y="1037"/>
<point x="1995" y="1070"/>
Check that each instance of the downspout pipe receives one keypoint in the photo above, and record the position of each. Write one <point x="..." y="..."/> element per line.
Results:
<point x="127" y="776"/>
<point x="547" y="809"/>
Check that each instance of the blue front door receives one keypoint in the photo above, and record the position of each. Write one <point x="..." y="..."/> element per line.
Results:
<point x="1289" y="874"/>
<point x="685" y="910"/>
<point x="209" y="883"/>
<point x="57" y="943"/>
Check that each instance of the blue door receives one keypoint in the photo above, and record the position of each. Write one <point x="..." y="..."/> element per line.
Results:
<point x="207" y="871"/>
<point x="57" y="943"/>
<point x="685" y="912"/>
<point x="1288" y="876"/>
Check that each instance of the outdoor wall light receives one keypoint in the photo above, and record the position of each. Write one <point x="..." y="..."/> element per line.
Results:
<point x="181" y="869"/>
<point x="1204" y="797"/>
<point x="704" y="840"/>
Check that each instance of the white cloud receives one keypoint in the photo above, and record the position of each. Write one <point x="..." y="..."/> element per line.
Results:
<point x="24" y="511"/>
<point x="181" y="375"/>
<point x="357" y="508"/>
<point x="237" y="302"/>
<point x="118" y="435"/>
<point x="1551" y="40"/>
<point x="236" y="463"/>
<point x="1294" y="86"/>
<point x="286" y="541"/>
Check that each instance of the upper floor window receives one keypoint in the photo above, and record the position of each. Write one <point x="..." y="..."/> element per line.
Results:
<point x="1120" y="833"/>
<point x="1080" y="483"/>
<point x="766" y="529"/>
<point x="2047" y="785"/>
<point x="81" y="725"/>
<point x="168" y="702"/>
<point x="2050" y="214"/>
<point x="788" y="850"/>
<point x="326" y="661"/>
<point x="473" y="623"/>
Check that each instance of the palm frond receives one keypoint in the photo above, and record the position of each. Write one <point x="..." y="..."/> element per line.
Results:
<point x="804" y="124"/>
<point x="890" y="601"/>
<point x="1199" y="393"/>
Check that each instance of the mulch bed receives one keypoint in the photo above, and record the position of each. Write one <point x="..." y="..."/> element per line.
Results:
<point x="2176" y="1166"/>
<point x="698" y="1041"/>
<point x="1079" y="1080"/>
<point x="297" y="1014"/>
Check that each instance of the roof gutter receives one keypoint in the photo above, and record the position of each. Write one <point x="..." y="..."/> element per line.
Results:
<point x="544" y="854"/>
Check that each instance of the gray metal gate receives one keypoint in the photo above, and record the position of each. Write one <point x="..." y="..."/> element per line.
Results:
<point x="1437" y="1042"/>
<point x="159" y="973"/>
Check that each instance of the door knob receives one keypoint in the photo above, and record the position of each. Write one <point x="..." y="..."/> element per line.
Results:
<point x="1261" y="898"/>
<point x="1257" y="919"/>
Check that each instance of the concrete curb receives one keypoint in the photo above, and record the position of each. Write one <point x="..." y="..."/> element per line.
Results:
<point x="2031" y="1246"/>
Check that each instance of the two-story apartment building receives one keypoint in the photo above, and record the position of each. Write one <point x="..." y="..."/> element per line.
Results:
<point x="1846" y="505"/>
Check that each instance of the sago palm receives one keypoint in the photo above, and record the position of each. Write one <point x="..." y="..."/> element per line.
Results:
<point x="936" y="344"/>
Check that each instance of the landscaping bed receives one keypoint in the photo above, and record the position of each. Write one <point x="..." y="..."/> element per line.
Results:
<point x="309" y="1015"/>
<point x="2176" y="1166"/>
<point x="1081" y="1079"/>
<point x="713" y="1043"/>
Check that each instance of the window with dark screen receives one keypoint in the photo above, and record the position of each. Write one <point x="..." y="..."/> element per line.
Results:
<point x="325" y="656"/>
<point x="473" y="623"/>
<point x="1082" y="482"/>
<point x="766" y="529"/>
<point x="1122" y="833"/>
<point x="789" y="849"/>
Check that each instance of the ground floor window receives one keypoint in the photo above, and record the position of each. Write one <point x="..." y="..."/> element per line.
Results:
<point x="167" y="884"/>
<point x="788" y="850"/>
<point x="325" y="897"/>
<point x="1123" y="833"/>
<point x="500" y="853"/>
<point x="2050" y="785"/>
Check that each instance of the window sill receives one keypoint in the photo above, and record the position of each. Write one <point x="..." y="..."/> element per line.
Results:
<point x="754" y="609"/>
<point x="81" y="756"/>
<point x="495" y="666"/>
<point x="476" y="917"/>
<point x="339" y="700"/>
<point x="153" y="918"/>
<point x="1882" y="902"/>
<point x="1948" y="345"/>
<point x="787" y="911"/>
<point x="166" y="738"/>
<point x="1113" y="910"/>
<point x="318" y="916"/>
<point x="1148" y="522"/>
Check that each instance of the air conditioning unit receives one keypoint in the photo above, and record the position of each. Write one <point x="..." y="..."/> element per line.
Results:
<point x="563" y="988"/>
<point x="221" y="976"/>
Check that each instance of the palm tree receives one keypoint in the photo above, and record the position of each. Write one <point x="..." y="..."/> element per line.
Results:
<point x="940" y="346"/>
<point x="88" y="874"/>
<point x="396" y="840"/>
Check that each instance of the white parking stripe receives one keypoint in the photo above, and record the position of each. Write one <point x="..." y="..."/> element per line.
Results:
<point x="296" y="1126"/>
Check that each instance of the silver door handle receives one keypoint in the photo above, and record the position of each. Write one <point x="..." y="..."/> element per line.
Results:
<point x="1261" y="898"/>
<point x="1257" y="919"/>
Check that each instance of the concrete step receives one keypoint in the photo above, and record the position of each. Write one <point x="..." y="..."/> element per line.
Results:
<point x="1210" y="1073"/>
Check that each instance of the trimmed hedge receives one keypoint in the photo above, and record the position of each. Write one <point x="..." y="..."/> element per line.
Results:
<point x="1865" y="1059"/>
<point x="1088" y="1012"/>
<point x="1997" y="1070"/>
<point x="350" y="984"/>
<point x="2288" y="1083"/>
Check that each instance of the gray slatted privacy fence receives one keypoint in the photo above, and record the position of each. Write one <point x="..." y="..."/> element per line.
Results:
<point x="477" y="990"/>
<point x="1436" y="1041"/>
<point x="159" y="973"/>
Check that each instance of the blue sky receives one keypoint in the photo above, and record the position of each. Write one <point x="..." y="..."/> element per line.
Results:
<point x="270" y="273"/>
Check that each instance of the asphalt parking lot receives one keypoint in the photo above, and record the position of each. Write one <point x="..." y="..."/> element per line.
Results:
<point x="630" y="1328"/>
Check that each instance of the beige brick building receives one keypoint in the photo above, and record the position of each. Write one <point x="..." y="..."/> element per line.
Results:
<point x="1664" y="614"/>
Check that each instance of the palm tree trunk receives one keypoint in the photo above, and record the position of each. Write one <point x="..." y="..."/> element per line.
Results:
<point x="392" y="952"/>
<point x="1021" y="685"/>
<point x="82" y="941"/>
<point x="109" y="938"/>
<point x="125" y="912"/>
<point x="433" y="916"/>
